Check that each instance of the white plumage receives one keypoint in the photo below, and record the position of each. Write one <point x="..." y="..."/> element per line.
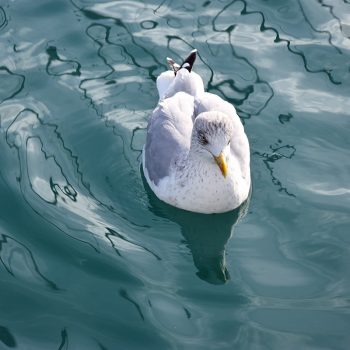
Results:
<point x="196" y="155"/>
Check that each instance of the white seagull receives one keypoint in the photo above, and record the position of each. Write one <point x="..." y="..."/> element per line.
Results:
<point x="196" y="155"/>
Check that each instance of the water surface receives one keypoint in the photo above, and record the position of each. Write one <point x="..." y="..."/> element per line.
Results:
<point x="90" y="259"/>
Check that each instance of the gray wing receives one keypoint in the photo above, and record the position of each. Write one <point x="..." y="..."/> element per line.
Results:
<point x="168" y="134"/>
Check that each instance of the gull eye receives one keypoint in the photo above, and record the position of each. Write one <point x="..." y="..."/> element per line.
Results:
<point x="228" y="142"/>
<point x="202" y="139"/>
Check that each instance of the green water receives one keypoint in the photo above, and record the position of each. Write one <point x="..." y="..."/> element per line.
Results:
<point x="90" y="259"/>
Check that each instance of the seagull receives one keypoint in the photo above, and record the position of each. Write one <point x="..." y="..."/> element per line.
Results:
<point x="196" y="156"/>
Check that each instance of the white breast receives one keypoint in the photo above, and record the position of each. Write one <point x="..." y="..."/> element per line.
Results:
<point x="202" y="188"/>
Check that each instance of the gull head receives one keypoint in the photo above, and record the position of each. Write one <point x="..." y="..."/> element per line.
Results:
<point x="211" y="137"/>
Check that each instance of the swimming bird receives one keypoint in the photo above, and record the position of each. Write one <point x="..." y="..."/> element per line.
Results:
<point x="196" y="156"/>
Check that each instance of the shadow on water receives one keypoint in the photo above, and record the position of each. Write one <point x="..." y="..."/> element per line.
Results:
<point x="206" y="235"/>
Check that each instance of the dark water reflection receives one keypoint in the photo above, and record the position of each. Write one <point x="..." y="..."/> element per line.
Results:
<point x="90" y="259"/>
<point x="7" y="338"/>
<point x="205" y="235"/>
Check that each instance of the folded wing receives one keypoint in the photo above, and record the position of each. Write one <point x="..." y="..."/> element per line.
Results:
<point x="168" y="135"/>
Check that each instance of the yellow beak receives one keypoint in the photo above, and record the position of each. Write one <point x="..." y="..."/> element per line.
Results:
<point x="221" y="162"/>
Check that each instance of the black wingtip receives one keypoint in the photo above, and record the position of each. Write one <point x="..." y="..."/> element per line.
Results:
<point x="189" y="61"/>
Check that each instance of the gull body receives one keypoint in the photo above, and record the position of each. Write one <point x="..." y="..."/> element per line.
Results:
<point x="196" y="155"/>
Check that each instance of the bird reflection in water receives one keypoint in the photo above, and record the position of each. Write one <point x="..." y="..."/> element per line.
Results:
<point x="206" y="235"/>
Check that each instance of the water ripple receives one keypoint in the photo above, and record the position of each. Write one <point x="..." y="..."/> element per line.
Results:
<point x="278" y="152"/>
<point x="11" y="84"/>
<point x="43" y="173"/>
<point x="58" y="66"/>
<point x="64" y="340"/>
<point x="333" y="71"/>
<point x="3" y="19"/>
<point x="19" y="262"/>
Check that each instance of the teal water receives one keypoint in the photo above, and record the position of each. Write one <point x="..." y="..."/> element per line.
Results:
<point x="90" y="259"/>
